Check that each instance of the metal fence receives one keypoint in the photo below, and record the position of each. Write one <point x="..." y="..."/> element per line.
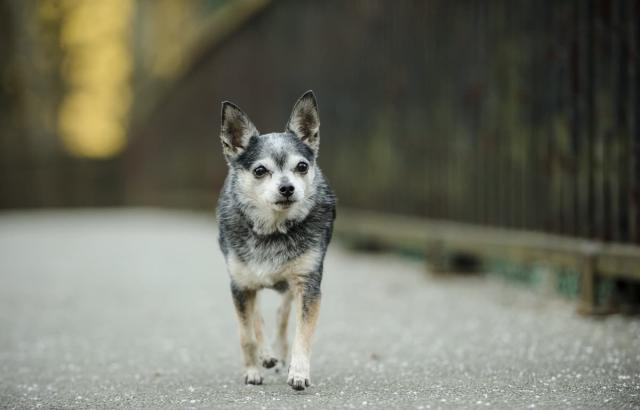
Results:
<point x="517" y="114"/>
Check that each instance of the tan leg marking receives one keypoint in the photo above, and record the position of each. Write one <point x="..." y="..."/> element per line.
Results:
<point x="307" y="310"/>
<point x="245" y="309"/>
<point x="280" y="343"/>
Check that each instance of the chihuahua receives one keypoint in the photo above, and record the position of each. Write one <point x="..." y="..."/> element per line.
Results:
<point x="275" y="215"/>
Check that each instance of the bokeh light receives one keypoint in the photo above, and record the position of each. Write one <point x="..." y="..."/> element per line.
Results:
<point x="96" y="40"/>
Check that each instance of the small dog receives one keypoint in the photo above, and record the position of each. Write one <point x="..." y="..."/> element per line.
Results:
<point x="275" y="215"/>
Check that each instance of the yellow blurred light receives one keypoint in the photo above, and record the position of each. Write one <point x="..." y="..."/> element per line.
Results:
<point x="108" y="64"/>
<point x="95" y="38"/>
<point x="87" y="127"/>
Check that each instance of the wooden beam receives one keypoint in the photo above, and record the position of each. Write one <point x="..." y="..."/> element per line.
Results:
<point x="593" y="259"/>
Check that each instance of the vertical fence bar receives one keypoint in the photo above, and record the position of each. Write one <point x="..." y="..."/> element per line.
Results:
<point x="618" y="77"/>
<point x="577" y="117"/>
<point x="623" y="121"/>
<point x="604" y="59"/>
<point x="566" y="25"/>
<point x="590" y="151"/>
<point x="634" y="220"/>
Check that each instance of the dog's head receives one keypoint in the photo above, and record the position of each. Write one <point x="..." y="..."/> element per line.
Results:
<point x="273" y="171"/>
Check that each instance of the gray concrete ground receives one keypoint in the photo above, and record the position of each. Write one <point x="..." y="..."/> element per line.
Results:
<point x="131" y="309"/>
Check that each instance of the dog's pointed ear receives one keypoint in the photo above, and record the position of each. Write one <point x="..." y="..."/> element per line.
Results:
<point x="236" y="130"/>
<point x="305" y="121"/>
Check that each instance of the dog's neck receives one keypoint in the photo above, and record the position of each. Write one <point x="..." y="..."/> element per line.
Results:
<point x="267" y="221"/>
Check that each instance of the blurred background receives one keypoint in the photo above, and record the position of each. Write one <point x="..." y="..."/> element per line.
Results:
<point x="494" y="143"/>
<point x="503" y="114"/>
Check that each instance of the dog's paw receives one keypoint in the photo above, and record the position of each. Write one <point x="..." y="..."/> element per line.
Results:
<point x="298" y="376"/>
<point x="281" y="366"/>
<point x="252" y="376"/>
<point x="267" y="357"/>
<point x="269" y="362"/>
<point x="298" y="381"/>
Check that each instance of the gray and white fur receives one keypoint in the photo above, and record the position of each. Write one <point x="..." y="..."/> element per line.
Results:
<point x="275" y="215"/>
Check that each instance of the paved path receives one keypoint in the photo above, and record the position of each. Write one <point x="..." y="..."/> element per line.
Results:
<point x="131" y="309"/>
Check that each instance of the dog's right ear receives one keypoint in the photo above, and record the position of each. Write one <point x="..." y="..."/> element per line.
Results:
<point x="236" y="131"/>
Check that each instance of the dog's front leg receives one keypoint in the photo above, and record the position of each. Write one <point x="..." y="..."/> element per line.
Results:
<point x="307" y="296"/>
<point x="245" y="302"/>
<point x="265" y="355"/>
<point x="280" y="344"/>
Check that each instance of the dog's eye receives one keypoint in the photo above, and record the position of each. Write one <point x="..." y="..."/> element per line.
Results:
<point x="302" y="167"/>
<point x="260" y="171"/>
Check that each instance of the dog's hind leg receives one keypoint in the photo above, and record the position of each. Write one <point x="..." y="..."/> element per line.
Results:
<point x="307" y="297"/>
<point x="280" y="343"/>
<point x="245" y="302"/>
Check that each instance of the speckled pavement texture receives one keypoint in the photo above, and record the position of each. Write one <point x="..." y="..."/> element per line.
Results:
<point x="131" y="309"/>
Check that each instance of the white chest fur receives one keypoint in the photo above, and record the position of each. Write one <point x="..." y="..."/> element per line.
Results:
<point x="264" y="274"/>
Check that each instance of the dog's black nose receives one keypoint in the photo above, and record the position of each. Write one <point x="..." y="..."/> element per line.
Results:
<point x="286" y="190"/>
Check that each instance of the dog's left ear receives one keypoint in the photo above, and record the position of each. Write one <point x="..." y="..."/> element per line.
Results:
<point x="305" y="121"/>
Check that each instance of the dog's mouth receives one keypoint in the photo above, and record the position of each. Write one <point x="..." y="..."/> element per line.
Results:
<point x="285" y="203"/>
